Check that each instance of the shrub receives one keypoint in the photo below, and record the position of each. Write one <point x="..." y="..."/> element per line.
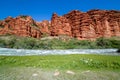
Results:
<point x="118" y="50"/>
<point x="23" y="16"/>
<point x="107" y="43"/>
<point x="102" y="42"/>
<point x="1" y="26"/>
<point x="32" y="43"/>
<point x="2" y="43"/>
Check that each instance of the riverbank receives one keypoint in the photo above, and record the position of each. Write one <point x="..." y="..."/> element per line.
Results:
<point x="73" y="61"/>
<point x="11" y="41"/>
<point x="60" y="67"/>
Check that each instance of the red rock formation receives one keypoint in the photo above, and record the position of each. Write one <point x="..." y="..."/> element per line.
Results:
<point x="107" y="22"/>
<point x="81" y="25"/>
<point x="44" y="27"/>
<point x="90" y="25"/>
<point x="60" y="26"/>
<point x="20" y="26"/>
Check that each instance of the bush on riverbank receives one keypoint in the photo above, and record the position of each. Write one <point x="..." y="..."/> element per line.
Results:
<point x="108" y="43"/>
<point x="32" y="43"/>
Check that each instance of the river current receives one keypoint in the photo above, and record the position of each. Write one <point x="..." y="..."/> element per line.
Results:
<point x="23" y="52"/>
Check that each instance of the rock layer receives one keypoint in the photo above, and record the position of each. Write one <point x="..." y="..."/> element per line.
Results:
<point x="81" y="25"/>
<point x="20" y="26"/>
<point x="90" y="25"/>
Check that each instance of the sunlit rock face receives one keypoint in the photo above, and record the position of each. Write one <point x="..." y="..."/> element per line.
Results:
<point x="60" y="25"/>
<point x="81" y="25"/>
<point x="20" y="26"/>
<point x="44" y="27"/>
<point x="90" y="25"/>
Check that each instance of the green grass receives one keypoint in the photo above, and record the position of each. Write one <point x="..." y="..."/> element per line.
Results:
<point x="85" y="67"/>
<point x="73" y="62"/>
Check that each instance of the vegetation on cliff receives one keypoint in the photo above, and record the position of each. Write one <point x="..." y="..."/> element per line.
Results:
<point x="57" y="43"/>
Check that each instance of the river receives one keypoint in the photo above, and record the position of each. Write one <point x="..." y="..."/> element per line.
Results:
<point x="23" y="52"/>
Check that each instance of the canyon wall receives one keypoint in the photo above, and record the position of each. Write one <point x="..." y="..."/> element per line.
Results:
<point x="21" y="26"/>
<point x="81" y="25"/>
<point x="87" y="25"/>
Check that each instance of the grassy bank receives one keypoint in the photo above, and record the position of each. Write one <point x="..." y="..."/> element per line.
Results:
<point x="67" y="67"/>
<point x="73" y="62"/>
<point x="11" y="41"/>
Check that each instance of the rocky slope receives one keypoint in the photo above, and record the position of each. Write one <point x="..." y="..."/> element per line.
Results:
<point x="81" y="25"/>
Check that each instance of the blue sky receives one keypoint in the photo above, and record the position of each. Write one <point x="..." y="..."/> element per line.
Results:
<point x="43" y="9"/>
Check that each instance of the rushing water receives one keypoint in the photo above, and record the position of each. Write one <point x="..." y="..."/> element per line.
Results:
<point x="22" y="52"/>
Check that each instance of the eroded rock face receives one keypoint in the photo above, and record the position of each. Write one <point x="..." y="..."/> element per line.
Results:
<point x="20" y="26"/>
<point x="90" y="25"/>
<point x="44" y="27"/>
<point x="81" y="25"/>
<point x="60" y="26"/>
<point x="107" y="22"/>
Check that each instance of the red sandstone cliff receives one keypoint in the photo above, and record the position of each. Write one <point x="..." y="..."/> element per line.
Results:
<point x="20" y="26"/>
<point x="81" y="25"/>
<point x="90" y="25"/>
<point x="44" y="28"/>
